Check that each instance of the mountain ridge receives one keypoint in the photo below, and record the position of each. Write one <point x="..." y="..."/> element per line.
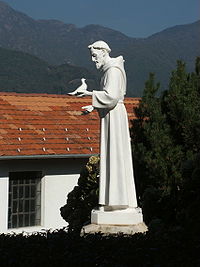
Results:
<point x="58" y="43"/>
<point x="25" y="73"/>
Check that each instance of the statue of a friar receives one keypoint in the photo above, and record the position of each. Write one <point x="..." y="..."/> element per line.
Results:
<point x="117" y="188"/>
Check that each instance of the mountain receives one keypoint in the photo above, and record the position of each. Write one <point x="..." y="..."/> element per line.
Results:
<point x="52" y="40"/>
<point x="160" y="52"/>
<point x="21" y="72"/>
<point x="57" y="43"/>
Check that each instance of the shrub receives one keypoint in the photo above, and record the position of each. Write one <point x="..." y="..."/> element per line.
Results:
<point x="84" y="197"/>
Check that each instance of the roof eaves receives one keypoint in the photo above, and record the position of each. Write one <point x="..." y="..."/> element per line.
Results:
<point x="61" y="156"/>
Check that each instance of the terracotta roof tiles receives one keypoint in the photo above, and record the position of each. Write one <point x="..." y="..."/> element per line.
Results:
<point x="42" y="124"/>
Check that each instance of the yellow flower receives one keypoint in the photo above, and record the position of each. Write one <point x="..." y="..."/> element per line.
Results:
<point x="93" y="160"/>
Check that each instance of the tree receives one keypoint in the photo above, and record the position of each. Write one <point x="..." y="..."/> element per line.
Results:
<point x="166" y="134"/>
<point x="181" y="105"/>
<point x="155" y="153"/>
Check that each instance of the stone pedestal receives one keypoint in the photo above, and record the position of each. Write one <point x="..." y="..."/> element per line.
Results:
<point x="106" y="229"/>
<point x="130" y="216"/>
<point x="128" y="221"/>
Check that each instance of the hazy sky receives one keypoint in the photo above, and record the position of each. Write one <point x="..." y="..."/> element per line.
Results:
<point x="136" y="18"/>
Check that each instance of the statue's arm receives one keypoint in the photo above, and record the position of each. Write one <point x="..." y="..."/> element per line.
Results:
<point x="109" y="97"/>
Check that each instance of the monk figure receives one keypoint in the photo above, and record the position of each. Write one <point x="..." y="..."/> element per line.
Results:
<point x="117" y="188"/>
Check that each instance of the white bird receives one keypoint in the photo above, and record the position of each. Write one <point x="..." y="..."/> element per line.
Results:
<point x="80" y="89"/>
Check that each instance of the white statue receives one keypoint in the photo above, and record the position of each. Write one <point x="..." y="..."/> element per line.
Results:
<point x="117" y="188"/>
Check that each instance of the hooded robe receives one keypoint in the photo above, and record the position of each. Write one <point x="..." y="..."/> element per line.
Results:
<point x="117" y="186"/>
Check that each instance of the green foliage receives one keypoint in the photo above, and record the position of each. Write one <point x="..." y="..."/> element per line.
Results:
<point x="153" y="146"/>
<point x="62" y="248"/>
<point x="167" y="134"/>
<point x="189" y="199"/>
<point x="84" y="197"/>
<point x="181" y="105"/>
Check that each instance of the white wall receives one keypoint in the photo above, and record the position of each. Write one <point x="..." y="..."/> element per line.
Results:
<point x="56" y="189"/>
<point x="3" y="203"/>
<point x="59" y="178"/>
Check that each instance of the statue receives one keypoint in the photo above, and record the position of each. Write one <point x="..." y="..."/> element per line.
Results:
<point x="116" y="188"/>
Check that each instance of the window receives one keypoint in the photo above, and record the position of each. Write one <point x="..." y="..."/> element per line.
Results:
<point x="24" y="199"/>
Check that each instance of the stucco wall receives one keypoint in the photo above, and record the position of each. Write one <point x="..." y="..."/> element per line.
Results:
<point x="59" y="178"/>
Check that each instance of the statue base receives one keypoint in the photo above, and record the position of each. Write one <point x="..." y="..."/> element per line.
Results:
<point x="129" y="216"/>
<point x="108" y="221"/>
<point x="106" y="229"/>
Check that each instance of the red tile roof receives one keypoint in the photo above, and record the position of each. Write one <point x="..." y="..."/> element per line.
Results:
<point x="42" y="124"/>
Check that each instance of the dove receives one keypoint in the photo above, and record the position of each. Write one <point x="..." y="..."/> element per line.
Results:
<point x="80" y="89"/>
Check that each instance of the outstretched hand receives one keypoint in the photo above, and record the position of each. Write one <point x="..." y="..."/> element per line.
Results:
<point x="88" y="109"/>
<point x="84" y="93"/>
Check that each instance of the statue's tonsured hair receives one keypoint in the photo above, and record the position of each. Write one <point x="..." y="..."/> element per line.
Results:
<point x="100" y="45"/>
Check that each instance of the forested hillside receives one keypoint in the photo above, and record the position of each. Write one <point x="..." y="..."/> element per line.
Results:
<point x="58" y="43"/>
<point x="21" y="72"/>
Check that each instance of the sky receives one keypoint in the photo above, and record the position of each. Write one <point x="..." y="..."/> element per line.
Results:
<point x="135" y="18"/>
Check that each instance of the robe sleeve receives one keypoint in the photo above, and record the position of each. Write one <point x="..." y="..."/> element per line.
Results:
<point x="111" y="93"/>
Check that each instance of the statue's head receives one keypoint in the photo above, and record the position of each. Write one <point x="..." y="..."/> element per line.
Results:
<point x="100" y="53"/>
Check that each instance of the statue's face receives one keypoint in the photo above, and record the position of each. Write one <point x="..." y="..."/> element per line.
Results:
<point x="98" y="56"/>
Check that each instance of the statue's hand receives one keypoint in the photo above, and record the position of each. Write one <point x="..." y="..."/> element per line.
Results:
<point x="84" y="93"/>
<point x="88" y="109"/>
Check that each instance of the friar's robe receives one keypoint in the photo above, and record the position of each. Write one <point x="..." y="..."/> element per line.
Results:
<point x="117" y="186"/>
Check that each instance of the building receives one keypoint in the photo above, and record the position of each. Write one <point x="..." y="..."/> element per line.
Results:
<point x="45" y="140"/>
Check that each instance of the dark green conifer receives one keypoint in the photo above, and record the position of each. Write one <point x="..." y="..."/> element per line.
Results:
<point x="166" y="134"/>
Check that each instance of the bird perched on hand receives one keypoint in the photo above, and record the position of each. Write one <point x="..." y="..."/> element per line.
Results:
<point x="80" y="89"/>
